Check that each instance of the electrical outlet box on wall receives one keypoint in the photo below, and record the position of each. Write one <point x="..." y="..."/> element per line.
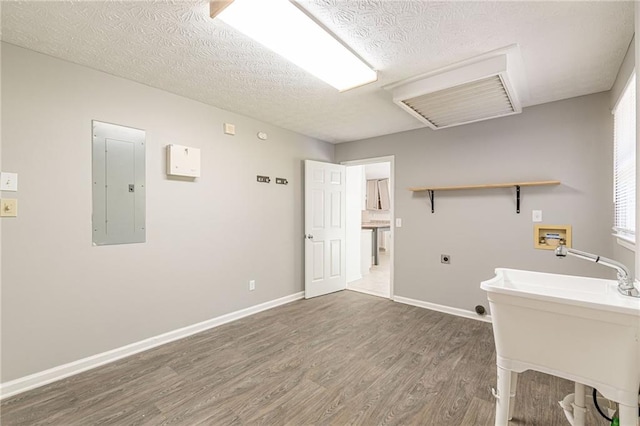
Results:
<point x="183" y="161"/>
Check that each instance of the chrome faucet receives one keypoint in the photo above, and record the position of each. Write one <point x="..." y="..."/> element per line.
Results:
<point x="625" y="284"/>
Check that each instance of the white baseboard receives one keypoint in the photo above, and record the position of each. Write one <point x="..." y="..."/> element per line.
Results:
<point x="41" y="378"/>
<point x="442" y="308"/>
<point x="369" y="292"/>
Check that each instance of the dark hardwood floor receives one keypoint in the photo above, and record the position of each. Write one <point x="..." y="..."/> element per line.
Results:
<point x="344" y="358"/>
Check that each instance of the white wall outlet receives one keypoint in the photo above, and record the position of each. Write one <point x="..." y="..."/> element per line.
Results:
<point x="229" y="129"/>
<point x="398" y="222"/>
<point x="252" y="285"/>
<point x="9" y="207"/>
<point x="536" y="215"/>
<point x="8" y="181"/>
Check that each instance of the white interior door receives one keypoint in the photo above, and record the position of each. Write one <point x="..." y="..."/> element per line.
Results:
<point x="325" y="228"/>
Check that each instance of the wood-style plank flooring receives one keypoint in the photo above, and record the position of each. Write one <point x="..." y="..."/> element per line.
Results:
<point x="342" y="359"/>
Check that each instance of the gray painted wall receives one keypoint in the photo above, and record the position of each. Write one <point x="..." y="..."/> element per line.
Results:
<point x="570" y="141"/>
<point x="62" y="298"/>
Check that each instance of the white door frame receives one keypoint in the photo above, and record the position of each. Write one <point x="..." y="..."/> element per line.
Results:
<point x="387" y="159"/>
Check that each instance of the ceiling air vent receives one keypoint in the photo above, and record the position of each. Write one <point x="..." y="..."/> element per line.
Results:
<point x="473" y="90"/>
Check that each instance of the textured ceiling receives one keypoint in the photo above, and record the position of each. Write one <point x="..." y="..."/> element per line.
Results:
<point x="568" y="48"/>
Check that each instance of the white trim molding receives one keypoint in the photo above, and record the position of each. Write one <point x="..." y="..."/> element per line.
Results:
<point x="369" y="292"/>
<point x="625" y="242"/>
<point x="60" y="372"/>
<point x="392" y="212"/>
<point x="442" y="308"/>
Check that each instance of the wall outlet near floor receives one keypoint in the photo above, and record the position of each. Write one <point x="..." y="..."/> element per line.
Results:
<point x="445" y="258"/>
<point x="252" y="285"/>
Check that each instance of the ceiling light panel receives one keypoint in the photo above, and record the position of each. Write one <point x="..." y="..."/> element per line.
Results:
<point x="280" y="26"/>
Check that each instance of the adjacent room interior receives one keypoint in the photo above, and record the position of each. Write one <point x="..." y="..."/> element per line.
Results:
<point x="369" y="211"/>
<point x="319" y="212"/>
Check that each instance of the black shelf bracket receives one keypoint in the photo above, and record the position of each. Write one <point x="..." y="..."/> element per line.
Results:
<point x="518" y="199"/>
<point x="431" y="199"/>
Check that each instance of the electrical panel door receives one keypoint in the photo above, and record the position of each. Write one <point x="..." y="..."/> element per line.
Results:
<point x="118" y="184"/>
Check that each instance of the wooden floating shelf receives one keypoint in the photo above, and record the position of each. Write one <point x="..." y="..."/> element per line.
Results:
<point x="486" y="185"/>
<point x="431" y="189"/>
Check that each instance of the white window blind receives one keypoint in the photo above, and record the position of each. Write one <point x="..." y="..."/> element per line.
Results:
<point x="624" y="178"/>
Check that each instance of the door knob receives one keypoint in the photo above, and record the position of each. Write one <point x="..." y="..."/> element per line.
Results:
<point x="309" y="236"/>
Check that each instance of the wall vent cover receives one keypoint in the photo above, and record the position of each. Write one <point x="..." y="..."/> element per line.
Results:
<point x="474" y="90"/>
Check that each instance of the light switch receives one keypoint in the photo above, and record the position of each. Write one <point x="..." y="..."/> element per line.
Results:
<point x="398" y="222"/>
<point x="8" y="181"/>
<point x="536" y="215"/>
<point x="9" y="207"/>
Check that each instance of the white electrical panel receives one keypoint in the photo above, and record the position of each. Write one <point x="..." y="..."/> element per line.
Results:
<point x="118" y="181"/>
<point x="183" y="161"/>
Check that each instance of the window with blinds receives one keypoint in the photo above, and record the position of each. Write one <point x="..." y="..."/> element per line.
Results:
<point x="624" y="167"/>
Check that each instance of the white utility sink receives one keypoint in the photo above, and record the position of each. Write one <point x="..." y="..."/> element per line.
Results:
<point x="578" y="328"/>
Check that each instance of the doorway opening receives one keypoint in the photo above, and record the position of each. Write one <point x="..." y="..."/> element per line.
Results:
<point x="369" y="220"/>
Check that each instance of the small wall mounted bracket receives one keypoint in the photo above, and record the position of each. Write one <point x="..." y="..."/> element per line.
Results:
<point x="518" y="199"/>
<point x="431" y="199"/>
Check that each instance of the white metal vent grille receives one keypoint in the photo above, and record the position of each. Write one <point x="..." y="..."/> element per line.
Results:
<point x="478" y="100"/>
<point x="488" y="86"/>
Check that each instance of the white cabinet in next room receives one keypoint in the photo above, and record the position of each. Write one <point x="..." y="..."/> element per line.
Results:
<point x="378" y="194"/>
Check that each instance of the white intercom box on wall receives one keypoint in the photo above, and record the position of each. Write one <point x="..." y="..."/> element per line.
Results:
<point x="183" y="161"/>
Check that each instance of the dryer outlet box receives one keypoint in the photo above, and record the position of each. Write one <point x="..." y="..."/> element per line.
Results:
<point x="183" y="161"/>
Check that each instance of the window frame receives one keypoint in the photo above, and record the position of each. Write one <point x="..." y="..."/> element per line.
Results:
<point x="625" y="239"/>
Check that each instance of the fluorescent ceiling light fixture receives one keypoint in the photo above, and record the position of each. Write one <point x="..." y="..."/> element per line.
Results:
<point x="282" y="27"/>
